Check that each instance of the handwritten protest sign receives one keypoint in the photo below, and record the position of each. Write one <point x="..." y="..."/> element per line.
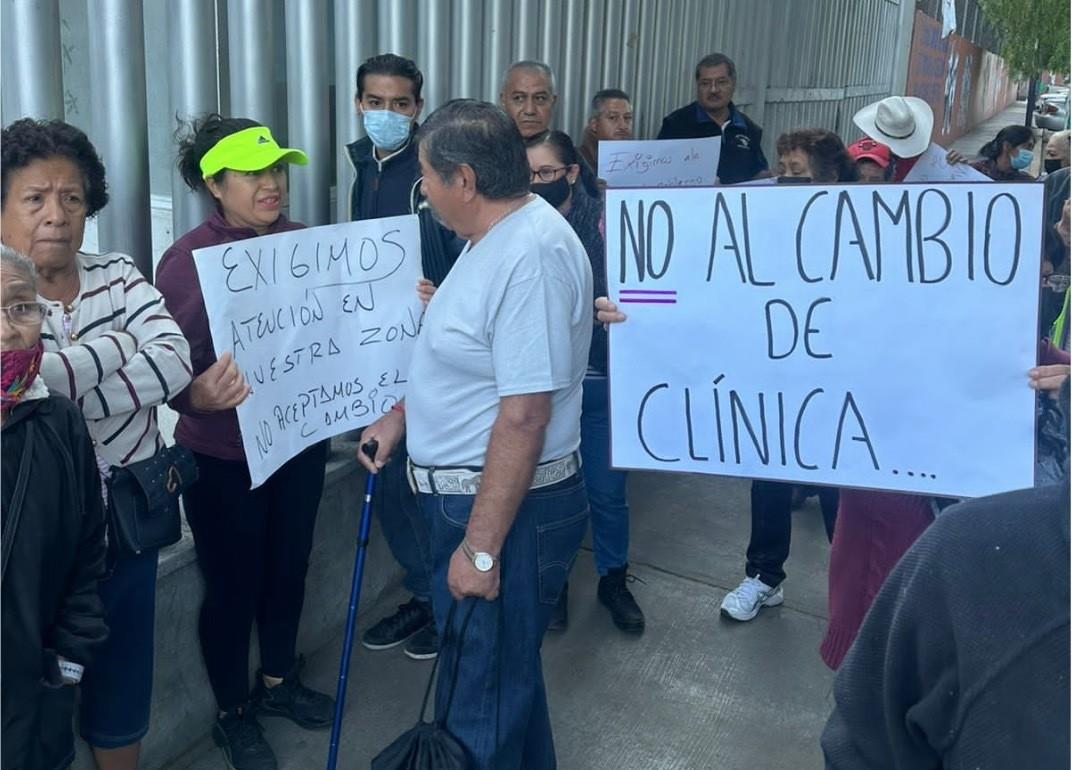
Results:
<point x="860" y="336"/>
<point x="933" y="167"/>
<point x="321" y="321"/>
<point x="660" y="163"/>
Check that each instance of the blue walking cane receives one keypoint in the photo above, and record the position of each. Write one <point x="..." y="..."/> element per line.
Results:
<point x="355" y="596"/>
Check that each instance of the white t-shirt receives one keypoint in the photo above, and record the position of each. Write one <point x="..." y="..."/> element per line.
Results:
<point x="514" y="316"/>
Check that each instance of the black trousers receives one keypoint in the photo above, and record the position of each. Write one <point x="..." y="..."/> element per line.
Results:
<point x="772" y="527"/>
<point x="253" y="548"/>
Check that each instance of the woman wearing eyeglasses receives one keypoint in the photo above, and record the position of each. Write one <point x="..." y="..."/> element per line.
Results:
<point x="111" y="346"/>
<point x="555" y="166"/>
<point x="53" y="539"/>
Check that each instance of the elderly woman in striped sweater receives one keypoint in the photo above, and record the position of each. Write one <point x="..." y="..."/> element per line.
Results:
<point x="112" y="347"/>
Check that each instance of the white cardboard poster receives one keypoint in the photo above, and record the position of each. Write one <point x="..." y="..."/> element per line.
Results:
<point x="660" y="162"/>
<point x="322" y="323"/>
<point x="873" y="336"/>
<point x="933" y="167"/>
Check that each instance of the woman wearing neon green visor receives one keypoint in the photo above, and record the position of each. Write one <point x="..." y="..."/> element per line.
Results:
<point x="253" y="545"/>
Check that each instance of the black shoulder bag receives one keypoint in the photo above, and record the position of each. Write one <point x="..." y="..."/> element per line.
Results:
<point x="428" y="745"/>
<point x="143" y="500"/>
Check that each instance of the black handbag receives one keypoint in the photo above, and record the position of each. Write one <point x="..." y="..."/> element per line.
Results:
<point x="143" y="500"/>
<point x="428" y="745"/>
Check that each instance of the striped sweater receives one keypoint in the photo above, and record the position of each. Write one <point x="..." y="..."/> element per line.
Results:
<point x="118" y="353"/>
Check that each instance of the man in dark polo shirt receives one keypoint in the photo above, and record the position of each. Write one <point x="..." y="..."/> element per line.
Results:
<point x="713" y="114"/>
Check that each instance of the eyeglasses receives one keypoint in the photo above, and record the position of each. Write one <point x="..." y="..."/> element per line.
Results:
<point x="25" y="313"/>
<point x="546" y="173"/>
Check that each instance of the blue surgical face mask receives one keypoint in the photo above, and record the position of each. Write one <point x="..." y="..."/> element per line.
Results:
<point x="387" y="129"/>
<point x="1022" y="159"/>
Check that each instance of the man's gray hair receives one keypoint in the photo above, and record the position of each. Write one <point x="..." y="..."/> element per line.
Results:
<point x="467" y="132"/>
<point x="532" y="66"/>
<point x="13" y="260"/>
<point x="604" y="96"/>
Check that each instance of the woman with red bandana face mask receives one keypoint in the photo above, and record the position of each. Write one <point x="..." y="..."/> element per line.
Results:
<point x="53" y="539"/>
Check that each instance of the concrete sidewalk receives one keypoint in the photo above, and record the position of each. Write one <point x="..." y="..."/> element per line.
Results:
<point x="694" y="691"/>
<point x="1013" y="115"/>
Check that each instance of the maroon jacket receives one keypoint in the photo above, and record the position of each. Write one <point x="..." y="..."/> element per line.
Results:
<point x="211" y="433"/>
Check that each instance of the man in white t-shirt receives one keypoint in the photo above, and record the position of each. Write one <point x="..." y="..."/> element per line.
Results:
<point x="492" y="428"/>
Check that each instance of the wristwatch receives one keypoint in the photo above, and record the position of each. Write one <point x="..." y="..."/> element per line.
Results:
<point x="484" y="562"/>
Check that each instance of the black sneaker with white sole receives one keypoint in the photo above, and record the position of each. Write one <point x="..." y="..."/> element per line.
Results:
<point x="423" y="645"/>
<point x="241" y="739"/>
<point x="395" y="629"/>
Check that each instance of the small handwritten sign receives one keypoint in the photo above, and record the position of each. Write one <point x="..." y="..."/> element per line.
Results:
<point x="861" y="336"/>
<point x="321" y="321"/>
<point x="933" y="167"/>
<point x="660" y="163"/>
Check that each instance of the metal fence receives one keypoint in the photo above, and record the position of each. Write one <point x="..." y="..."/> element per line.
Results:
<point x="291" y="63"/>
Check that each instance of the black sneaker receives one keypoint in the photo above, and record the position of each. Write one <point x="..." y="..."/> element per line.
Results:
<point x="241" y="740"/>
<point x="423" y="645"/>
<point x="292" y="699"/>
<point x="560" y="614"/>
<point x="615" y="596"/>
<point x="393" y="630"/>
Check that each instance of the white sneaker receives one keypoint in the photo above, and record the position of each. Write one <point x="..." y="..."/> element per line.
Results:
<point x="745" y="601"/>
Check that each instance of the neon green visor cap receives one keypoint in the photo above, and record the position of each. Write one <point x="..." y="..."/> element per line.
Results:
<point x="251" y="149"/>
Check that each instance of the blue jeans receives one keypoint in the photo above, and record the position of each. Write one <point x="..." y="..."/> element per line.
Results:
<point x="504" y="723"/>
<point x="606" y="487"/>
<point x="405" y="528"/>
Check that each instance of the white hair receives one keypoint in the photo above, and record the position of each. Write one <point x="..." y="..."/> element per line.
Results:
<point x="532" y="66"/>
<point x="13" y="260"/>
<point x="1062" y="138"/>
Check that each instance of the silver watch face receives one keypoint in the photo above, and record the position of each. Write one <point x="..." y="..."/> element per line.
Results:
<point x="483" y="561"/>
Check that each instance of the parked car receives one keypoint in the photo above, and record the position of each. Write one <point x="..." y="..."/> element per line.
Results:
<point x="1051" y="111"/>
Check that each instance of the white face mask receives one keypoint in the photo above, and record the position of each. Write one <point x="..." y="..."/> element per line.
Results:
<point x="387" y="129"/>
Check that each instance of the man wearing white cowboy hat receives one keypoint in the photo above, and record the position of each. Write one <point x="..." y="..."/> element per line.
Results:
<point x="902" y="123"/>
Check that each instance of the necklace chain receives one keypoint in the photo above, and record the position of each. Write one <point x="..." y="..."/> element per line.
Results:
<point x="508" y="212"/>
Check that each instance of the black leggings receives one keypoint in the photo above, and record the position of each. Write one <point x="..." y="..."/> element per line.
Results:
<point x="253" y="547"/>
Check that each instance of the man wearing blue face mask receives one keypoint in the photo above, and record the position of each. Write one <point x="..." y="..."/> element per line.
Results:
<point x="387" y="180"/>
<point x="1008" y="156"/>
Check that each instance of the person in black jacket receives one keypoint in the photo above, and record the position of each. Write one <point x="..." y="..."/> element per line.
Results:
<point x="963" y="658"/>
<point x="53" y="541"/>
<point x="386" y="184"/>
<point x="714" y="114"/>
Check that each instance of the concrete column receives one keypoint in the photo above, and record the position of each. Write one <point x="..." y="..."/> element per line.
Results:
<point x="32" y="72"/>
<point x="307" y="109"/>
<point x="250" y="42"/>
<point x="120" y="127"/>
<point x="192" y="92"/>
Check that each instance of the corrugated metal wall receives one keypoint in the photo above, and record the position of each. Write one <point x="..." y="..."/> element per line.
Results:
<point x="800" y="62"/>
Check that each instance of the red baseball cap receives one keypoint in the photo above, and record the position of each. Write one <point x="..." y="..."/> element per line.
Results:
<point x="869" y="149"/>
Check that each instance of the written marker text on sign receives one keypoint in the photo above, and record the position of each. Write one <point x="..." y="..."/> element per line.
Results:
<point x="321" y="322"/>
<point x="868" y="336"/>
<point x="660" y="162"/>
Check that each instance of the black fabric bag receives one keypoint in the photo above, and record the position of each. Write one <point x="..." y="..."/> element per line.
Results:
<point x="428" y="745"/>
<point x="143" y="500"/>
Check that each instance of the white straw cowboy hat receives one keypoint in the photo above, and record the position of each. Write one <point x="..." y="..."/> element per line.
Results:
<point x="902" y="123"/>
